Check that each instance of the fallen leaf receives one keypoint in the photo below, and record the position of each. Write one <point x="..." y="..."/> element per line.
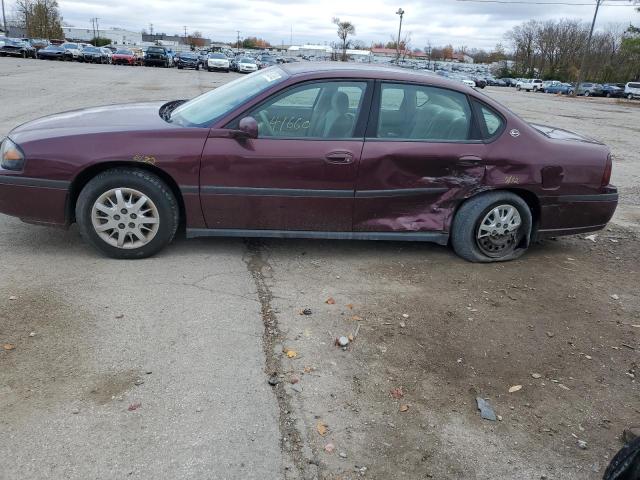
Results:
<point x="536" y="375"/>
<point x="357" y="318"/>
<point x="397" y="393"/>
<point x="322" y="428"/>
<point x="350" y="337"/>
<point x="8" y="346"/>
<point x="307" y="370"/>
<point x="350" y="306"/>
<point x="134" y="406"/>
<point x="515" y="388"/>
<point x="404" y="408"/>
<point x="292" y="353"/>
<point x="13" y="297"/>
<point x="329" y="447"/>
<point x="330" y="301"/>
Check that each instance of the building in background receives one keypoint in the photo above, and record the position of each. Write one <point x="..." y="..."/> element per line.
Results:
<point x="118" y="36"/>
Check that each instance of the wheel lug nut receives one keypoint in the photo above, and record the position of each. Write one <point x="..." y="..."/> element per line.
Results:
<point x="132" y="225"/>
<point x="134" y="216"/>
<point x="121" y="226"/>
<point x="123" y="211"/>
<point x="116" y="217"/>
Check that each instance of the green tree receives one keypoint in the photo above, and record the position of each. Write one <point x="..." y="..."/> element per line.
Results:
<point x="40" y="18"/>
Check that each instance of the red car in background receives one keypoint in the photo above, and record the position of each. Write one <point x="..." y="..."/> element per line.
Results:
<point x="312" y="151"/>
<point x="124" y="57"/>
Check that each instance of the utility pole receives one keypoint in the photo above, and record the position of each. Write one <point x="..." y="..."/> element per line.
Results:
<point x="291" y="36"/>
<point x="586" y="50"/>
<point x="151" y="29"/>
<point x="97" y="28"/>
<point x="4" y="20"/>
<point x="401" y="13"/>
<point x="185" y="34"/>
<point x="238" y="42"/>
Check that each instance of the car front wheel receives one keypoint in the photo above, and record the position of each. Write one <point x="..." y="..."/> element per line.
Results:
<point x="492" y="227"/>
<point x="127" y="213"/>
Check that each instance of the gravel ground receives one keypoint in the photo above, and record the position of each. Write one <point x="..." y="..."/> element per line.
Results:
<point x="212" y="320"/>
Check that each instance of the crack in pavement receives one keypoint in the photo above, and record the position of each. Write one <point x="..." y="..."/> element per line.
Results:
<point x="291" y="440"/>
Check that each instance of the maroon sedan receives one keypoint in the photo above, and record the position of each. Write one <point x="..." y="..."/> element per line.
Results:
<point x="325" y="151"/>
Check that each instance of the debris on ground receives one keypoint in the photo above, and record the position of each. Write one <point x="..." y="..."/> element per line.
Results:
<point x="404" y="408"/>
<point x="9" y="346"/>
<point x="290" y="353"/>
<point x="75" y="411"/>
<point x="330" y="301"/>
<point x="134" y="406"/>
<point x="306" y="311"/>
<point x="32" y="334"/>
<point x="296" y="387"/>
<point x="515" y="388"/>
<point x="397" y="393"/>
<point x="582" y="444"/>
<point x="342" y="341"/>
<point x="322" y="428"/>
<point x="13" y="297"/>
<point x="274" y="380"/>
<point x="615" y="296"/>
<point x="119" y="316"/>
<point x="138" y="382"/>
<point x="536" y="375"/>
<point x="486" y="411"/>
<point x="329" y="447"/>
<point x="591" y="237"/>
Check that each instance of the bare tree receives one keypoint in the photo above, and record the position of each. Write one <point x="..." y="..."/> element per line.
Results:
<point x="40" y="18"/>
<point x="345" y="29"/>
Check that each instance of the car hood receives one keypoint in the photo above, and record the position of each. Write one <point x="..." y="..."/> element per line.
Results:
<point x="561" y="134"/>
<point x="111" y="118"/>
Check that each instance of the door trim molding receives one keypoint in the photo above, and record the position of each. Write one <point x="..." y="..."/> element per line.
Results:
<point x="441" y="238"/>
<point x="314" y="193"/>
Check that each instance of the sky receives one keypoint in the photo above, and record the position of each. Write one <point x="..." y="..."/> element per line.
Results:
<point x="460" y="23"/>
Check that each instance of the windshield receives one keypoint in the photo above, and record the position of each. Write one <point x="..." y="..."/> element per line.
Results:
<point x="217" y="55"/>
<point x="155" y="50"/>
<point x="246" y="60"/>
<point x="124" y="52"/>
<point x="187" y="55"/>
<point x="205" y="109"/>
<point x="70" y="45"/>
<point x="91" y="49"/>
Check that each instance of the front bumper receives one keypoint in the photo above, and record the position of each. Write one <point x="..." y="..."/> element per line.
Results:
<point x="34" y="200"/>
<point x="571" y="214"/>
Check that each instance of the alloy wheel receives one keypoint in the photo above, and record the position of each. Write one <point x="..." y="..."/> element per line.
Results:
<point x="498" y="233"/>
<point x="125" y="218"/>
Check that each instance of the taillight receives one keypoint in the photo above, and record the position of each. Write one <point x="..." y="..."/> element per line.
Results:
<point x="606" y="176"/>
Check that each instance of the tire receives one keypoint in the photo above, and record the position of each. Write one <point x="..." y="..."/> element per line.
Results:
<point x="518" y="87"/>
<point x="209" y="70"/>
<point x="587" y="93"/>
<point x="160" y="202"/>
<point x="608" y="95"/>
<point x="630" y="96"/>
<point x="467" y="223"/>
<point x="179" y="67"/>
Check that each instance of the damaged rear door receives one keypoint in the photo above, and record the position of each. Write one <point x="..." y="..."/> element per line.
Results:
<point x="420" y="158"/>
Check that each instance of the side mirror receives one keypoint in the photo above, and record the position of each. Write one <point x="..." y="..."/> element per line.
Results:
<point x="248" y="127"/>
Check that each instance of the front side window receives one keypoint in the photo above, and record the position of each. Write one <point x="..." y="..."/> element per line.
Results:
<point x="418" y="112"/>
<point x="210" y="106"/>
<point x="323" y="110"/>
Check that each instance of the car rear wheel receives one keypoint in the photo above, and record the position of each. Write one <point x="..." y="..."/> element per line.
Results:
<point x="587" y="93"/>
<point x="629" y="96"/>
<point x="492" y="227"/>
<point x="127" y="213"/>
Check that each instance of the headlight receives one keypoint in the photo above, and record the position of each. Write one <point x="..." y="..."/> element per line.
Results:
<point x="11" y="156"/>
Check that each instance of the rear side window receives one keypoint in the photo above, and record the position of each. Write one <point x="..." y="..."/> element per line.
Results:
<point x="493" y="122"/>
<point x="634" y="85"/>
<point x="423" y="113"/>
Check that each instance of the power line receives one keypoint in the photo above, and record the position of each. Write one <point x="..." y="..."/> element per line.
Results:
<point x="511" y="2"/>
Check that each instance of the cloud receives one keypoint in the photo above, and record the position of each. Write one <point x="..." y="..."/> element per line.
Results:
<point x="480" y="25"/>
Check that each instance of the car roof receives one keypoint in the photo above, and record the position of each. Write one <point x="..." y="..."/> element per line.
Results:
<point x="367" y="71"/>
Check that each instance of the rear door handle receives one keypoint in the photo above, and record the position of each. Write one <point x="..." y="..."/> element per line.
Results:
<point x="469" y="160"/>
<point x="340" y="158"/>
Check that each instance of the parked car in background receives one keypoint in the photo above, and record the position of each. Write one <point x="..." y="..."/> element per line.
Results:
<point x="511" y="82"/>
<point x="479" y="82"/>
<point x="95" y="55"/>
<point x="73" y="49"/>
<point x="528" y="85"/>
<point x="158" y="56"/>
<point x="468" y="82"/>
<point x="632" y="90"/>
<point x="561" y="88"/>
<point x="15" y="47"/>
<point x="611" y="90"/>
<point x="294" y="139"/>
<point x="124" y="56"/>
<point x="218" y="61"/>
<point x="54" y="52"/>
<point x="589" y="89"/>
<point x="38" y="43"/>
<point x="187" y="60"/>
<point x="548" y="83"/>
<point x="267" y="61"/>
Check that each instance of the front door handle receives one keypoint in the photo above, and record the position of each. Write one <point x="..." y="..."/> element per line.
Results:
<point x="469" y="160"/>
<point x="340" y="158"/>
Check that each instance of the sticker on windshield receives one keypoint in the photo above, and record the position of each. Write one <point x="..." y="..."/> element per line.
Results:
<point x="271" y="76"/>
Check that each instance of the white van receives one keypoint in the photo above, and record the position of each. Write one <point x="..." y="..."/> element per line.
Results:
<point x="632" y="90"/>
